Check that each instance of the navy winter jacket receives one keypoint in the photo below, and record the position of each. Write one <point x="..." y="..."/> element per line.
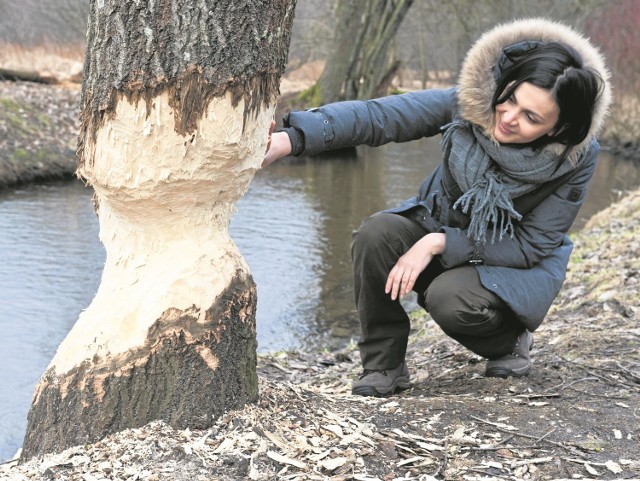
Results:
<point x="525" y="271"/>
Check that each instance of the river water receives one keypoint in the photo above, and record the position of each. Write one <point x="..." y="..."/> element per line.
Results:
<point x="293" y="227"/>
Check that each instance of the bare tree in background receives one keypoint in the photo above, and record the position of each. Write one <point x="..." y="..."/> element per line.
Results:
<point x="438" y="34"/>
<point x="177" y="100"/>
<point x="614" y="27"/>
<point x="430" y="42"/>
<point x="358" y="66"/>
<point x="312" y="32"/>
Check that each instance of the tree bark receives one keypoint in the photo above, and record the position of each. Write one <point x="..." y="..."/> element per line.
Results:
<point x="359" y="64"/>
<point x="176" y="104"/>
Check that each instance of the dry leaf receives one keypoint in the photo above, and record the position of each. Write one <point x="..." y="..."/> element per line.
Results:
<point x="547" y="459"/>
<point x="366" y="440"/>
<point x="364" y="477"/>
<point x="591" y="470"/>
<point x="333" y="463"/>
<point x="430" y="446"/>
<point x="285" y="460"/>
<point x="276" y="440"/>
<point x="410" y="460"/>
<point x="613" y="467"/>
<point x="335" y="429"/>
<point x="521" y="470"/>
<point x="225" y="446"/>
<point x="505" y="453"/>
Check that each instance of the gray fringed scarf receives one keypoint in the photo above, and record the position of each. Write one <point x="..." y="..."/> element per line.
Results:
<point x="491" y="175"/>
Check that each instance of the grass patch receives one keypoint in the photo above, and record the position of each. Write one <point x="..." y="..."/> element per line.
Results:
<point x="22" y="119"/>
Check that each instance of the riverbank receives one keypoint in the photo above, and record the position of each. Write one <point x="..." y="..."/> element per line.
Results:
<point x="577" y="415"/>
<point x="38" y="132"/>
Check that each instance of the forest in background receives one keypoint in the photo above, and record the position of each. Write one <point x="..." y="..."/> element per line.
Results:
<point x="429" y="45"/>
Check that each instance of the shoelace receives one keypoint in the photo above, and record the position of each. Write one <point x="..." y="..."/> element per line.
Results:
<point x="515" y="348"/>
<point x="366" y="372"/>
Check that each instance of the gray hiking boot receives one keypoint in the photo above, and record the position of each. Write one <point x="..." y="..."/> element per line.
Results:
<point x="382" y="383"/>
<point x="516" y="364"/>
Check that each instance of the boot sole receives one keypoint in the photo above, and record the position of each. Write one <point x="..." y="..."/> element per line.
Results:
<point x="370" y="391"/>
<point x="505" y="373"/>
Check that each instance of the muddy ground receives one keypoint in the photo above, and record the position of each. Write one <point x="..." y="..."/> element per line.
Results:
<point x="577" y="416"/>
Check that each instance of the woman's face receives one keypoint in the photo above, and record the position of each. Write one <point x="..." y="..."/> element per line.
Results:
<point x="526" y="116"/>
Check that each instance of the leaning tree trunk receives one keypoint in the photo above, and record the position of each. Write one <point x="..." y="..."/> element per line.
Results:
<point x="359" y="66"/>
<point x="176" y="104"/>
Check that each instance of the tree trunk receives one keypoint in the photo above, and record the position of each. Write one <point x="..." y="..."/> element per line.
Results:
<point x="360" y="64"/>
<point x="176" y="104"/>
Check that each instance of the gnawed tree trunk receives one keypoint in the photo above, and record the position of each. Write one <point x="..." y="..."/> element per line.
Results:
<point x="177" y="100"/>
<point x="359" y="67"/>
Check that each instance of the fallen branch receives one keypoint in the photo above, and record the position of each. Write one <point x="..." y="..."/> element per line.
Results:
<point x="565" y="385"/>
<point x="21" y="75"/>
<point x="491" y="475"/>
<point x="633" y="375"/>
<point x="544" y="436"/>
<point x="528" y="436"/>
<point x="526" y="462"/>
<point x="495" y="447"/>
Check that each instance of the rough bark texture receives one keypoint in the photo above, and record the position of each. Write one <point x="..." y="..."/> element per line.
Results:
<point x="177" y="100"/>
<point x="197" y="50"/>
<point x="187" y="377"/>
<point x="360" y="58"/>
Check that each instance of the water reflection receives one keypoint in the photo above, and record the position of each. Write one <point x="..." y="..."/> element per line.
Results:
<point x="612" y="180"/>
<point x="51" y="262"/>
<point x="293" y="227"/>
<point x="274" y="229"/>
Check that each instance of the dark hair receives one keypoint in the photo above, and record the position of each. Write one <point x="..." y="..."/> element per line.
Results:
<point x="559" y="68"/>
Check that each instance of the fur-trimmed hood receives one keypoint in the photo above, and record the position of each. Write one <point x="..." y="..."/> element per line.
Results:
<point x="477" y="84"/>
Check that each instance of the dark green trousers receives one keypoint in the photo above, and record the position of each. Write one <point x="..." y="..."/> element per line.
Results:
<point x="455" y="298"/>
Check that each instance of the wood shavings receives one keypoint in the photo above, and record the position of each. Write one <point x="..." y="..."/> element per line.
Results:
<point x="285" y="460"/>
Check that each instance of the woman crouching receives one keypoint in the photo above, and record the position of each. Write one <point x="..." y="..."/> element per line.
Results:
<point x="484" y="242"/>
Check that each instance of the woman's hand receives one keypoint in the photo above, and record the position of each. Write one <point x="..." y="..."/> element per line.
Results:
<point x="403" y="275"/>
<point x="278" y="145"/>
